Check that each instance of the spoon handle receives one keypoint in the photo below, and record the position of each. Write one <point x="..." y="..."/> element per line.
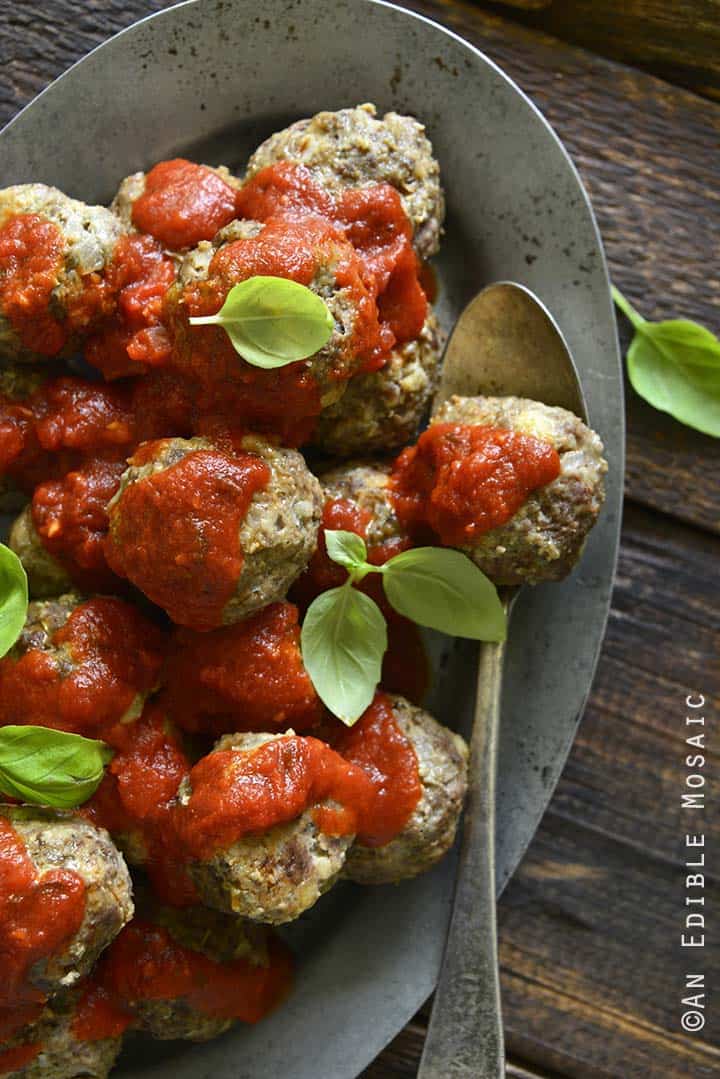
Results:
<point x="465" y="1036"/>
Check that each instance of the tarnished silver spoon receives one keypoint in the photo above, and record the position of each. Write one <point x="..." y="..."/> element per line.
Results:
<point x="504" y="343"/>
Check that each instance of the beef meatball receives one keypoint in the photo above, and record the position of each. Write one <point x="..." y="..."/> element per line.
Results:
<point x="352" y="148"/>
<point x="545" y="538"/>
<point x="45" y="309"/>
<point x="366" y="484"/>
<point x="381" y="412"/>
<point x="442" y="759"/>
<point x="284" y="401"/>
<point x="17" y="384"/>
<point x="192" y="973"/>
<point x="55" y="1045"/>
<point x="178" y="530"/>
<point x="46" y="577"/>
<point x="74" y="870"/>
<point x="178" y="202"/>
<point x="271" y="877"/>
<point x="82" y="666"/>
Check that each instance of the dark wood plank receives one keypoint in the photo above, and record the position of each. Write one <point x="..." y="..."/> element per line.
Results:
<point x="679" y="41"/>
<point x="647" y="151"/>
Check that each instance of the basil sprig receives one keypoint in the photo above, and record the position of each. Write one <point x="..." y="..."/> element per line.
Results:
<point x="13" y="598"/>
<point x="272" y="321"/>
<point x="51" y="768"/>
<point x="675" y="366"/>
<point x="344" y="635"/>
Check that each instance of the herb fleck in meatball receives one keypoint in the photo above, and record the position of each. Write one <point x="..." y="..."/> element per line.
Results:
<point x="192" y="973"/>
<point x="545" y="538"/>
<point x="178" y="202"/>
<point x="72" y="872"/>
<point x="352" y="147"/>
<point x="54" y="252"/>
<point x="59" y="1043"/>
<point x="82" y="666"/>
<point x="210" y="535"/>
<point x="429" y="833"/>
<point x="381" y="412"/>
<point x="269" y="877"/>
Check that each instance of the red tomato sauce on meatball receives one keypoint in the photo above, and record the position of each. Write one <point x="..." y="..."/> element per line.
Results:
<point x="111" y="655"/>
<point x="190" y="513"/>
<point x="98" y="1014"/>
<point x="145" y="962"/>
<point x="183" y="203"/>
<point x="373" y="220"/>
<point x="31" y="255"/>
<point x="39" y="915"/>
<point x="248" y="676"/>
<point x="134" y="338"/>
<point x="70" y="517"/>
<point x="460" y="481"/>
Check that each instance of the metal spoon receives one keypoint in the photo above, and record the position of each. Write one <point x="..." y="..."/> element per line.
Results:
<point x="504" y="343"/>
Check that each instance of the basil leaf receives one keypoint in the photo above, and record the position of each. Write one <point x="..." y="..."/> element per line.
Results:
<point x="343" y="640"/>
<point x="13" y="598"/>
<point x="272" y="321"/>
<point x="346" y="548"/>
<point x="47" y="767"/>
<point x="675" y="366"/>
<point x="444" y="590"/>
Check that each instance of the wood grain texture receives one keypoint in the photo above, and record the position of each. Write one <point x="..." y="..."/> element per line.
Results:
<point x="590" y="923"/>
<point x="677" y="40"/>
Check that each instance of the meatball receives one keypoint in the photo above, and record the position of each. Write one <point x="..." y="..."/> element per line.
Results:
<point x="381" y="412"/>
<point x="178" y="202"/>
<point x="367" y="485"/>
<point x="46" y="577"/>
<point x="545" y="538"/>
<point x="352" y="148"/>
<point x="271" y="877"/>
<point x="250" y="675"/>
<point x="284" y="401"/>
<point x="179" y="529"/>
<point x="55" y="1045"/>
<point x="75" y="873"/>
<point x="82" y="666"/>
<point x="192" y="973"/>
<point x="47" y="304"/>
<point x="442" y="759"/>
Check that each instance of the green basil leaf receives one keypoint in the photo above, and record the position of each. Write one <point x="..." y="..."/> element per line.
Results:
<point x="346" y="548"/>
<point x="343" y="639"/>
<point x="444" y="590"/>
<point x="272" y="321"/>
<point x="675" y="366"/>
<point x="13" y="598"/>
<point x="47" y="767"/>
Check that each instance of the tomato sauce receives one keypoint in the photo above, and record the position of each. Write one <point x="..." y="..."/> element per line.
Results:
<point x="31" y="261"/>
<point x="39" y="915"/>
<point x="373" y="220"/>
<point x="98" y="1014"/>
<point x="249" y="676"/>
<point x="191" y="512"/>
<point x="146" y="963"/>
<point x="17" y="1057"/>
<point x="460" y="481"/>
<point x="133" y="338"/>
<point x="183" y="203"/>
<point x="105" y="660"/>
<point x="70" y="517"/>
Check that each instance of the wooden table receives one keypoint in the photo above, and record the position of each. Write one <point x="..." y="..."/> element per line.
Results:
<point x="592" y="966"/>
